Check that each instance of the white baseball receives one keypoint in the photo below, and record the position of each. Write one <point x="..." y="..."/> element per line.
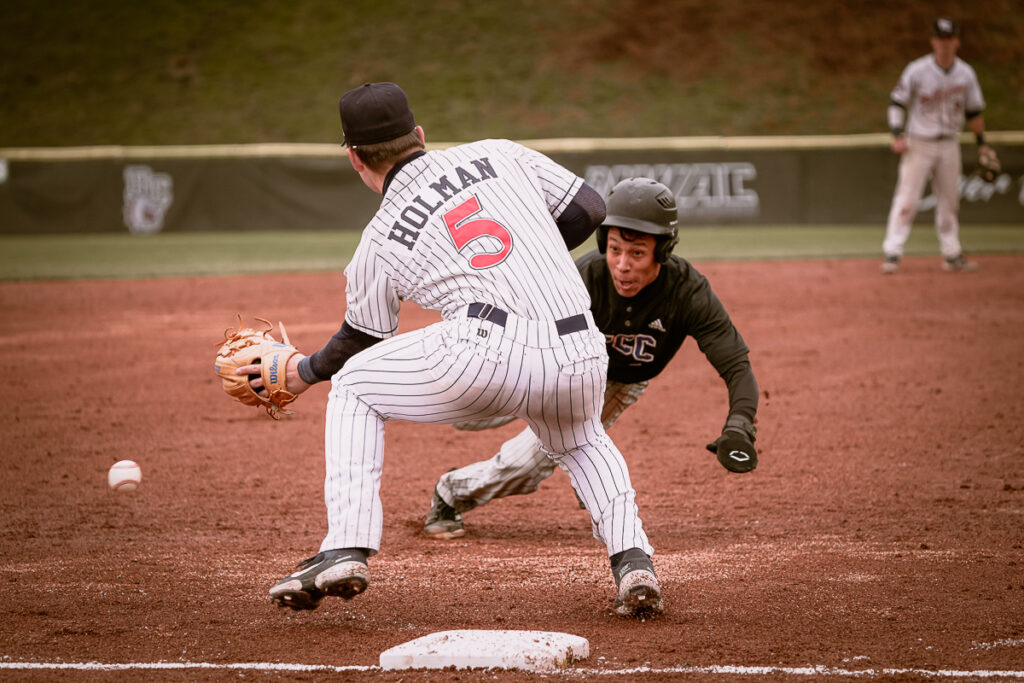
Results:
<point x="124" y="475"/>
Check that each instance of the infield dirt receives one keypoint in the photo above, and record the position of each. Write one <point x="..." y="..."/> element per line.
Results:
<point x="884" y="526"/>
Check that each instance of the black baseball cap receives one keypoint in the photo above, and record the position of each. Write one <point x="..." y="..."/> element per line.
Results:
<point x="374" y="112"/>
<point x="945" y="27"/>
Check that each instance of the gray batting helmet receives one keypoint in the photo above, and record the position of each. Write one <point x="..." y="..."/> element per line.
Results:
<point x="646" y="206"/>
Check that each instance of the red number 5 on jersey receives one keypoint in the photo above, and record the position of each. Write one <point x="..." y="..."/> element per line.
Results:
<point x="464" y="231"/>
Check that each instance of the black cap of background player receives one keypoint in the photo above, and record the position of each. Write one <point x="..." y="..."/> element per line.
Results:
<point x="374" y="112"/>
<point x="944" y="27"/>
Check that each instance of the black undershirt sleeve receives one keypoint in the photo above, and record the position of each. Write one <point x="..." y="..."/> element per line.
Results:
<point x="725" y="349"/>
<point x="581" y="217"/>
<point x="743" y="390"/>
<point x="346" y="342"/>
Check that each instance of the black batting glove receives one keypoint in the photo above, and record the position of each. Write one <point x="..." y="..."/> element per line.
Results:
<point x="735" y="447"/>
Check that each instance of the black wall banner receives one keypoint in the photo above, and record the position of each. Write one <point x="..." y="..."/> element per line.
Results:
<point x="717" y="181"/>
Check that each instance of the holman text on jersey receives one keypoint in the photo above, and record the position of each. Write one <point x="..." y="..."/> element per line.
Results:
<point x="420" y="208"/>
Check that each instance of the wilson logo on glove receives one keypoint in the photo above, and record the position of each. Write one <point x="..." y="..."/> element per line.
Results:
<point x="273" y="371"/>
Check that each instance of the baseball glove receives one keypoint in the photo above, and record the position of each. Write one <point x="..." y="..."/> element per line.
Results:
<point x="735" y="452"/>
<point x="248" y="346"/>
<point x="988" y="164"/>
<point x="735" y="447"/>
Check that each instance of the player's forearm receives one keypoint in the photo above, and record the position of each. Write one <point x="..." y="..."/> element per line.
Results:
<point x="743" y="390"/>
<point x="977" y="125"/>
<point x="896" y="115"/>
<point x="346" y="342"/>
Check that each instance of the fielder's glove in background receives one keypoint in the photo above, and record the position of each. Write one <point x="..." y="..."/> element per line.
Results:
<point x="988" y="164"/>
<point x="246" y="346"/>
<point x="735" y="447"/>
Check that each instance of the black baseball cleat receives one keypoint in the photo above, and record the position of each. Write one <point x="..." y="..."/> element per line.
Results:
<point x="639" y="592"/>
<point x="442" y="520"/>
<point x="958" y="264"/>
<point x="342" y="573"/>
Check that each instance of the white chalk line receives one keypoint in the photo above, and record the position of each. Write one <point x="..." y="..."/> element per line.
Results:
<point x="714" y="670"/>
<point x="815" y="670"/>
<point x="171" y="666"/>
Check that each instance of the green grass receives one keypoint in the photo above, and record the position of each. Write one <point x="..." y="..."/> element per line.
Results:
<point x="808" y="242"/>
<point x="63" y="257"/>
<point x="165" y="72"/>
<point x="213" y="253"/>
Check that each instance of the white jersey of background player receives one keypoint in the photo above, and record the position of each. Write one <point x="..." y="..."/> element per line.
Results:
<point x="934" y="96"/>
<point x="480" y="232"/>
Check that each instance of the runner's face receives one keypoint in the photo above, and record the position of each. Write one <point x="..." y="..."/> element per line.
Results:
<point x="631" y="263"/>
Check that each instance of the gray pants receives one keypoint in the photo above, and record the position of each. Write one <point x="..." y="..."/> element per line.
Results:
<point x="939" y="160"/>
<point x="521" y="464"/>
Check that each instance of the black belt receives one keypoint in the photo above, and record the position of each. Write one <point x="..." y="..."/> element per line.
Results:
<point x="488" y="312"/>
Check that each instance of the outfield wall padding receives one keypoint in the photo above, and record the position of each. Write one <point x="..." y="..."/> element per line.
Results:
<point x="717" y="181"/>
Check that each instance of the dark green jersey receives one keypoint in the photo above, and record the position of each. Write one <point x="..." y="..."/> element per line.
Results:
<point x="644" y="332"/>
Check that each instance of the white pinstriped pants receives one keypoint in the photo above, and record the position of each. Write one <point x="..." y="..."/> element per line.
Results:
<point x="467" y="369"/>
<point x="521" y="464"/>
<point x="939" y="160"/>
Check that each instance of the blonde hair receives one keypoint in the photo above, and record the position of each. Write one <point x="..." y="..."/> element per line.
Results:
<point x="381" y="156"/>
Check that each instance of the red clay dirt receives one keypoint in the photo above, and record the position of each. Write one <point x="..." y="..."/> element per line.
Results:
<point x="883" y="528"/>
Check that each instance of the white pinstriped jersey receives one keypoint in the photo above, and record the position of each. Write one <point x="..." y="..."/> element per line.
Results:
<point x="937" y="99"/>
<point x="470" y="223"/>
<point x="474" y="223"/>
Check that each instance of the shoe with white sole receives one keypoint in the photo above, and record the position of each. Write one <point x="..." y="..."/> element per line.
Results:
<point x="342" y="573"/>
<point x="891" y="264"/>
<point x="639" y="593"/>
<point x="443" y="521"/>
<point x="958" y="264"/>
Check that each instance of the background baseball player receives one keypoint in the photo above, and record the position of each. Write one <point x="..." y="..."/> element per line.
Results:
<point x="928" y="106"/>
<point x="480" y="233"/>
<point x="646" y="301"/>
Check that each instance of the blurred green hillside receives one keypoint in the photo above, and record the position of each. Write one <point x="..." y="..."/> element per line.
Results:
<point x="81" y="72"/>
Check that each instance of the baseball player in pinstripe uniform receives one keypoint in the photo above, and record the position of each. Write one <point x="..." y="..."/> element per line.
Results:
<point x="646" y="301"/>
<point x="480" y="232"/>
<point x="929" y="104"/>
